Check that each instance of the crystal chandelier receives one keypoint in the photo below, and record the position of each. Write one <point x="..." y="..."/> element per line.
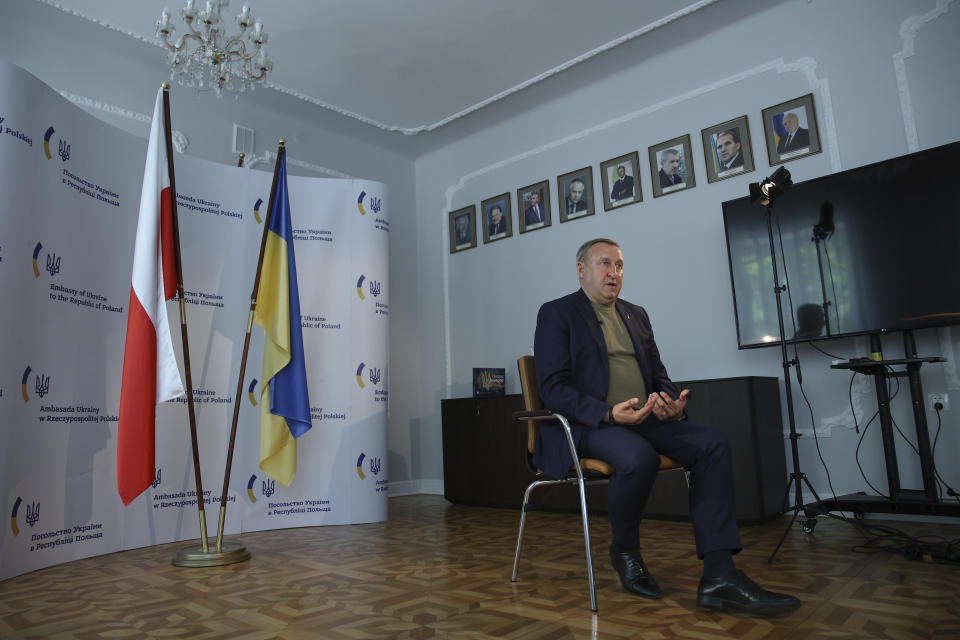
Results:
<point x="207" y="58"/>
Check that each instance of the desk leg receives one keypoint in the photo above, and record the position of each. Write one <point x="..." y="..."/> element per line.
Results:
<point x="920" y="420"/>
<point x="886" y="430"/>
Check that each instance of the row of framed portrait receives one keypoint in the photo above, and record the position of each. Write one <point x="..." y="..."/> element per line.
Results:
<point x="790" y="130"/>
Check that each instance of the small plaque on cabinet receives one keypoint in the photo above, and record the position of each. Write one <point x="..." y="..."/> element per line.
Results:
<point x="488" y="381"/>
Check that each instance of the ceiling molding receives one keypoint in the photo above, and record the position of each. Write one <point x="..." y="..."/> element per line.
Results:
<point x="112" y="109"/>
<point x="271" y="156"/>
<point x="113" y="27"/>
<point x="426" y="128"/>
<point x="180" y="141"/>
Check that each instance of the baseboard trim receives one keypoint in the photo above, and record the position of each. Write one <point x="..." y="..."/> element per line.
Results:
<point x="415" y="487"/>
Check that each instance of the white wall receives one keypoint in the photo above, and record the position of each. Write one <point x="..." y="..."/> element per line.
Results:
<point x="723" y="62"/>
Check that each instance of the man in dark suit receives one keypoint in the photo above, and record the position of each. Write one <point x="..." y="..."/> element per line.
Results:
<point x="796" y="137"/>
<point x="728" y="150"/>
<point x="598" y="364"/>
<point x="670" y="168"/>
<point x="623" y="187"/>
<point x="463" y="234"/>
<point x="534" y="214"/>
<point x="497" y="224"/>
<point x="575" y="201"/>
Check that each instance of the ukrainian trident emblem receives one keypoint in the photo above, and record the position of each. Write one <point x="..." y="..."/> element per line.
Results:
<point x="33" y="513"/>
<point x="53" y="264"/>
<point x="43" y="385"/>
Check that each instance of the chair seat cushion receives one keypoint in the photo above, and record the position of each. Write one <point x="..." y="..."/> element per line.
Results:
<point x="601" y="466"/>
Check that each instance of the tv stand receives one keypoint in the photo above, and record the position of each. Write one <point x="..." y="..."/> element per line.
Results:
<point x="899" y="500"/>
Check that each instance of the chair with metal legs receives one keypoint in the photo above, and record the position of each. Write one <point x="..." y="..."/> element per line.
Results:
<point x="584" y="472"/>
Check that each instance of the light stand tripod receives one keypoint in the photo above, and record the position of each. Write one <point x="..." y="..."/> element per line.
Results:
<point x="766" y="192"/>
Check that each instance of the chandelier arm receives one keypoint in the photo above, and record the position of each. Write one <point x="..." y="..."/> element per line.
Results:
<point x="242" y="51"/>
<point x="194" y="31"/>
<point x="183" y="42"/>
<point x="255" y="78"/>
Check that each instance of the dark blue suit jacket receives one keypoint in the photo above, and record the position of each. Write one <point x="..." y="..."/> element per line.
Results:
<point x="622" y="188"/>
<point x="573" y="370"/>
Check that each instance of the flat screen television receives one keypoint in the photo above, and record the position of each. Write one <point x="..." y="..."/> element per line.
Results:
<point x="870" y="250"/>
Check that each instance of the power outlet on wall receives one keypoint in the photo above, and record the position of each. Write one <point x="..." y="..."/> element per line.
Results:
<point x="942" y="398"/>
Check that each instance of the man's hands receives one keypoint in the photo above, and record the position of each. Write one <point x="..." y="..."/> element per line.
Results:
<point x="624" y="412"/>
<point x="665" y="408"/>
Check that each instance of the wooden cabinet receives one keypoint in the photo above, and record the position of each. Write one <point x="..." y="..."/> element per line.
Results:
<point x="484" y="465"/>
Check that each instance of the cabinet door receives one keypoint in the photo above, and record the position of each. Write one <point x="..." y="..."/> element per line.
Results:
<point x="483" y="448"/>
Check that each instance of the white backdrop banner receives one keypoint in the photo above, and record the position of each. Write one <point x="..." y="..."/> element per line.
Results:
<point x="70" y="188"/>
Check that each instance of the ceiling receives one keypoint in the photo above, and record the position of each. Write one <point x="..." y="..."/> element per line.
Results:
<point x="412" y="66"/>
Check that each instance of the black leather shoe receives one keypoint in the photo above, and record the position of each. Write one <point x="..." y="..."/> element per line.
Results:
<point x="740" y="594"/>
<point x="633" y="574"/>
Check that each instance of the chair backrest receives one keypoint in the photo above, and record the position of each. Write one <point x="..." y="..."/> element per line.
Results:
<point x="531" y="397"/>
<point x="531" y="402"/>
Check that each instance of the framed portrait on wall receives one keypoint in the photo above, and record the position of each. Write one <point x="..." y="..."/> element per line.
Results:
<point x="791" y="130"/>
<point x="575" y="194"/>
<point x="671" y="166"/>
<point x="621" y="181"/>
<point x="463" y="229"/>
<point x="726" y="149"/>
<point x="497" y="218"/>
<point x="534" y="202"/>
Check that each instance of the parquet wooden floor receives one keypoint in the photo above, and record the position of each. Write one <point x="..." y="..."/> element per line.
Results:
<point x="436" y="570"/>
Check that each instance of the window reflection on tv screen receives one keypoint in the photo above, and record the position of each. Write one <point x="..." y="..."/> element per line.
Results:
<point x="872" y="249"/>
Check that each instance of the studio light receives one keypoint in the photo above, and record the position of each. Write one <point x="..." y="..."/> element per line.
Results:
<point x="767" y="191"/>
<point x="765" y="194"/>
<point x="206" y="57"/>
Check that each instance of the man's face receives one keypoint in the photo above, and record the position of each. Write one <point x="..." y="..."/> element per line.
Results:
<point x="534" y="198"/>
<point x="601" y="273"/>
<point x="791" y="123"/>
<point x="726" y="148"/>
<point x="496" y="215"/>
<point x="621" y="172"/>
<point x="462" y="222"/>
<point x="670" y="163"/>
<point x="576" y="191"/>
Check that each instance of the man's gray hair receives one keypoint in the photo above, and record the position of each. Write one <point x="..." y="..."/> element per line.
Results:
<point x="585" y="247"/>
<point x="668" y="152"/>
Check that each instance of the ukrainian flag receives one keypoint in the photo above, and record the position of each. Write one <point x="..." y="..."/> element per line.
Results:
<point x="284" y="405"/>
<point x="779" y="131"/>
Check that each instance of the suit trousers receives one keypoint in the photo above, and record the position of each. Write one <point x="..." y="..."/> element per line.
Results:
<point x="633" y="452"/>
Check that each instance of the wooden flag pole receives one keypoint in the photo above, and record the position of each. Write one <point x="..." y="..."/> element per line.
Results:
<point x="183" y="316"/>
<point x="246" y="348"/>
<point x="240" y="161"/>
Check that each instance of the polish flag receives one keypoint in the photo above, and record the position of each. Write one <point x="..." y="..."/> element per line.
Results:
<point x="150" y="371"/>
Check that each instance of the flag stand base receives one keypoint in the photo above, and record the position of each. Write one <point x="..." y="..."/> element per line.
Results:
<point x="194" y="555"/>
